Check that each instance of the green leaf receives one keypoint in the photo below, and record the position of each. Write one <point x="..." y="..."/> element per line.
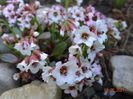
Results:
<point x="89" y="91"/>
<point x="3" y="2"/>
<point x="59" y="49"/>
<point x="17" y="31"/>
<point x="84" y="50"/>
<point x="10" y="58"/>
<point x="119" y="3"/>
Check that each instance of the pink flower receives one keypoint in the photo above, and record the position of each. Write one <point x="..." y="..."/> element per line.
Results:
<point x="34" y="62"/>
<point x="8" y="38"/>
<point x="8" y="11"/>
<point x="76" y="13"/>
<point x="67" y="27"/>
<point x="25" y="46"/>
<point x="90" y="9"/>
<point x="56" y="14"/>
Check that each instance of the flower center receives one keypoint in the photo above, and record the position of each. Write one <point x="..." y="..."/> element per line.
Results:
<point x="25" y="45"/>
<point x="94" y="18"/>
<point x="55" y="14"/>
<point x="85" y="35"/>
<point x="92" y="29"/>
<point x="93" y="48"/>
<point x="77" y="14"/>
<point x="78" y="73"/>
<point x="100" y="33"/>
<point x="84" y="69"/>
<point x="72" y="88"/>
<point x="34" y="65"/>
<point x="63" y="70"/>
<point x="87" y="18"/>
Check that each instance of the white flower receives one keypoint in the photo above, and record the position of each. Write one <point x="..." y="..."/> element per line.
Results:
<point x="97" y="47"/>
<point x="35" y="65"/>
<point x="23" y="66"/>
<point x="16" y="76"/>
<point x="65" y="73"/>
<point x="56" y="14"/>
<point x="115" y="32"/>
<point x="25" y="47"/>
<point x="84" y="35"/>
<point x="124" y="24"/>
<point x="8" y="38"/>
<point x="96" y="68"/>
<point x="24" y="22"/>
<point x="46" y="74"/>
<point x="86" y="68"/>
<point x="43" y="56"/>
<point x="77" y="13"/>
<point x="12" y="20"/>
<point x="5" y="36"/>
<point x="34" y="62"/>
<point x="8" y="11"/>
<point x="101" y="26"/>
<point x="102" y="29"/>
<point x="37" y="4"/>
<point x="75" y="49"/>
<point x="102" y="38"/>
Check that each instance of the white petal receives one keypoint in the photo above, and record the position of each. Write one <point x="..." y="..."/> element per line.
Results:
<point x="43" y="56"/>
<point x="74" y="93"/>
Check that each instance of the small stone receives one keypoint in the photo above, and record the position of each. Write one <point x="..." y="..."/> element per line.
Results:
<point x="123" y="72"/>
<point x="6" y="77"/>
<point x="35" y="90"/>
<point x="41" y="15"/>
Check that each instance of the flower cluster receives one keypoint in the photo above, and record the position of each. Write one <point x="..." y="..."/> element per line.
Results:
<point x="69" y="56"/>
<point x="19" y="13"/>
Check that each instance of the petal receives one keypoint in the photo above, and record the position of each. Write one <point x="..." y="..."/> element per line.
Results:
<point x="43" y="56"/>
<point x="74" y="93"/>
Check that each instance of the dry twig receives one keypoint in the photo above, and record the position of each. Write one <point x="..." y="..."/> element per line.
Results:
<point x="127" y="37"/>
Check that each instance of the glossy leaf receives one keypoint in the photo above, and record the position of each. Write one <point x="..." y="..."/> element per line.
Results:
<point x="59" y="49"/>
<point x="17" y="31"/>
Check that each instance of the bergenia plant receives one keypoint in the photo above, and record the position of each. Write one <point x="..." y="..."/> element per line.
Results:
<point x="64" y="44"/>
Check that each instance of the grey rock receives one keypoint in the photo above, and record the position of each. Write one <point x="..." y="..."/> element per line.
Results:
<point x="45" y="35"/>
<point x="123" y="72"/>
<point x="35" y="90"/>
<point x="3" y="48"/>
<point x="6" y="77"/>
